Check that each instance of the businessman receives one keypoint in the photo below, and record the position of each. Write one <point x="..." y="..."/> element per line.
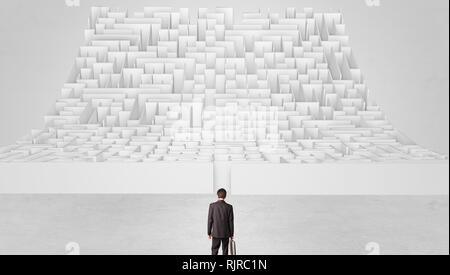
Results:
<point x="220" y="223"/>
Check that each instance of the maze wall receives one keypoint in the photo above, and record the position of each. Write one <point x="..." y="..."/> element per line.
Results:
<point x="210" y="86"/>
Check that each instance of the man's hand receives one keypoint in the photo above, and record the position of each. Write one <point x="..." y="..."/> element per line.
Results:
<point x="209" y="237"/>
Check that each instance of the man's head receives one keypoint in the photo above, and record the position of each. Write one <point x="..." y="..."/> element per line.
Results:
<point x="222" y="194"/>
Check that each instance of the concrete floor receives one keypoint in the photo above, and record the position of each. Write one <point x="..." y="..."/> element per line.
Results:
<point x="176" y="224"/>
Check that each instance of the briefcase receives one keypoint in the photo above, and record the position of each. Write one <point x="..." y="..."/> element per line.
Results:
<point x="232" y="250"/>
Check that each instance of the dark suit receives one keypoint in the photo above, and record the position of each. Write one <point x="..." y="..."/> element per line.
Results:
<point x="220" y="225"/>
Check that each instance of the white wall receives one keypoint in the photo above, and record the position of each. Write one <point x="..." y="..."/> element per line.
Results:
<point x="342" y="179"/>
<point x="106" y="178"/>
<point x="430" y="178"/>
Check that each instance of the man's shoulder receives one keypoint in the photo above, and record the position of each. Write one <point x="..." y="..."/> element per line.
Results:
<point x="221" y="203"/>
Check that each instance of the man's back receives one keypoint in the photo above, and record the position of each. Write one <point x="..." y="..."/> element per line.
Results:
<point x="221" y="220"/>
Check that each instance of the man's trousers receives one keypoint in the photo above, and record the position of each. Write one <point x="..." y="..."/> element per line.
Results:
<point x="216" y="242"/>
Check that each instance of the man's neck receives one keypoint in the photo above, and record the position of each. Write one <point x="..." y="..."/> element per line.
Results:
<point x="221" y="199"/>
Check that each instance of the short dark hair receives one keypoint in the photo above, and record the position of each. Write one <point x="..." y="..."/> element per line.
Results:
<point x="222" y="193"/>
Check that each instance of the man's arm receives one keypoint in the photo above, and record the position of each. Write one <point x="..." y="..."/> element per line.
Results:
<point x="210" y="220"/>
<point x="231" y="222"/>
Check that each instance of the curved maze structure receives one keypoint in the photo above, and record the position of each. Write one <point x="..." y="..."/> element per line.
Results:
<point x="166" y="85"/>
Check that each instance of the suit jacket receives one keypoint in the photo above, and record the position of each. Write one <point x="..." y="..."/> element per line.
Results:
<point x="221" y="220"/>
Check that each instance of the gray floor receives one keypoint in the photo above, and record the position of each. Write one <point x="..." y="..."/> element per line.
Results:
<point x="176" y="224"/>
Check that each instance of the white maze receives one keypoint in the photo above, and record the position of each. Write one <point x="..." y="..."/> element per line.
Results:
<point x="166" y="85"/>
